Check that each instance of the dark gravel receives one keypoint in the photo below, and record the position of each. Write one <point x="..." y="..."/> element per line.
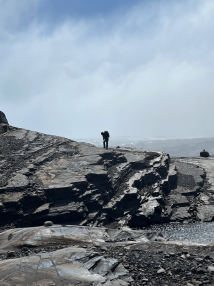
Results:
<point x="178" y="268"/>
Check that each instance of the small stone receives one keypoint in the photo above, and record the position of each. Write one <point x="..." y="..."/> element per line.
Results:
<point x="189" y="284"/>
<point x="200" y="270"/>
<point x="198" y="282"/>
<point x="48" y="223"/>
<point x="145" y="280"/>
<point x="188" y="255"/>
<point x="161" y="271"/>
<point x="199" y="259"/>
<point x="211" y="268"/>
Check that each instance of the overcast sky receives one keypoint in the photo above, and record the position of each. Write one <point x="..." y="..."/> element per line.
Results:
<point x="135" y="68"/>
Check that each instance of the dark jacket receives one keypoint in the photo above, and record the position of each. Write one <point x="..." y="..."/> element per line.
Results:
<point x="105" y="135"/>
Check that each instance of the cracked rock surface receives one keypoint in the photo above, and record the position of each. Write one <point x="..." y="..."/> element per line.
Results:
<point x="202" y="200"/>
<point x="57" y="235"/>
<point x="99" y="200"/>
<point x="101" y="256"/>
<point x="50" y="178"/>
<point x="44" y="177"/>
<point x="69" y="266"/>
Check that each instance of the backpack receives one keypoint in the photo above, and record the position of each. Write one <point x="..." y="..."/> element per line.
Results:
<point x="105" y="134"/>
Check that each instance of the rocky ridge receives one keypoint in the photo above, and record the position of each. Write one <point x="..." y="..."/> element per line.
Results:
<point x="98" y="201"/>
<point x="46" y="177"/>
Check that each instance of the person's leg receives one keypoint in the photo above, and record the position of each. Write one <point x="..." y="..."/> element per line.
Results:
<point x="106" y="144"/>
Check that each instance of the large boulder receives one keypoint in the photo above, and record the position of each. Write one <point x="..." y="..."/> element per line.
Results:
<point x="204" y="154"/>
<point x="4" y="126"/>
<point x="3" y="118"/>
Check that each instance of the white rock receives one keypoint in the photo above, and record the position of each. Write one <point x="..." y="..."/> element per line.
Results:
<point x="160" y="271"/>
<point x="211" y="268"/>
<point x="48" y="223"/>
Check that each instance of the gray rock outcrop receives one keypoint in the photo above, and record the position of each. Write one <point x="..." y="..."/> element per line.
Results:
<point x="4" y="126"/>
<point x="50" y="178"/>
<point x="58" y="235"/>
<point x="70" y="266"/>
<point x="100" y="256"/>
<point x="71" y="210"/>
<point x="75" y="264"/>
<point x="3" y="119"/>
<point x="203" y="206"/>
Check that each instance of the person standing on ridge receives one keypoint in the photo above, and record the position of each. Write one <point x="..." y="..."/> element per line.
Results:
<point x="106" y="136"/>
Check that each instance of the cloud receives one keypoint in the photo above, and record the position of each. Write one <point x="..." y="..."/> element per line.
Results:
<point x="146" y="72"/>
<point x="17" y="14"/>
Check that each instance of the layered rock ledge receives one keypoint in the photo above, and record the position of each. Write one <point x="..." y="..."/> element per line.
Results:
<point x="44" y="177"/>
<point x="96" y="199"/>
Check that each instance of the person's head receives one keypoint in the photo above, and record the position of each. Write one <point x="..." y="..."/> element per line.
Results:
<point x="101" y="133"/>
